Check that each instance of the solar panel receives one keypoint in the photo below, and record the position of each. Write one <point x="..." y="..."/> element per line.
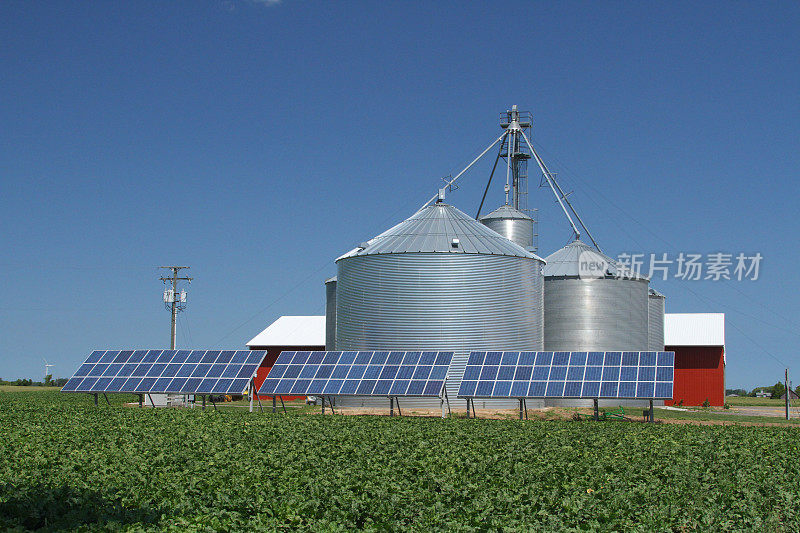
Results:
<point x="629" y="375"/>
<point x="363" y="373"/>
<point x="167" y="371"/>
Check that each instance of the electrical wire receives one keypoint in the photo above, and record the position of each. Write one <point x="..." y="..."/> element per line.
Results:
<point x="273" y="302"/>
<point x="737" y="328"/>
<point x="381" y="224"/>
<point x="572" y="175"/>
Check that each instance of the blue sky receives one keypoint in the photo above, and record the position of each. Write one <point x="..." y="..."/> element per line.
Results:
<point x="257" y="141"/>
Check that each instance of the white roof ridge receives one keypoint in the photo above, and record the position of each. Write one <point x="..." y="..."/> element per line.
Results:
<point x="305" y="330"/>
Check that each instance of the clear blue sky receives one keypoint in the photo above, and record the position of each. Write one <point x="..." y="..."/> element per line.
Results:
<point x="257" y="141"/>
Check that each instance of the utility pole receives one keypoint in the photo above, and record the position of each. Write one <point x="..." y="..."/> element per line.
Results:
<point x="788" y="392"/>
<point x="173" y="300"/>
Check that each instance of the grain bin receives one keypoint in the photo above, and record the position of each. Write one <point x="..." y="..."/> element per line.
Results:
<point x="439" y="280"/>
<point x="655" y="328"/>
<point x="330" y="313"/>
<point x="592" y="304"/>
<point x="512" y="224"/>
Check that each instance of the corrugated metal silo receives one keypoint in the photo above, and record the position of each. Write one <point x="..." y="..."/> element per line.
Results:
<point x="440" y="280"/>
<point x="511" y="224"/>
<point x="587" y="309"/>
<point x="330" y="313"/>
<point x="655" y="329"/>
<point x="591" y="304"/>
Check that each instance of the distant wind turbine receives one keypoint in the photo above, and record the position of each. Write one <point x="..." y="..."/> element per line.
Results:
<point x="47" y="368"/>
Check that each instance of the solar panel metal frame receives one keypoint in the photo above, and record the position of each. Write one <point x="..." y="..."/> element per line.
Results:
<point x="575" y="367"/>
<point x="375" y="373"/>
<point x="166" y="371"/>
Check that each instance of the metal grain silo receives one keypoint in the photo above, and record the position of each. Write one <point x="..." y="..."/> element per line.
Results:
<point x="330" y="313"/>
<point x="512" y="224"/>
<point x="655" y="329"/>
<point x="439" y="280"/>
<point x="591" y="304"/>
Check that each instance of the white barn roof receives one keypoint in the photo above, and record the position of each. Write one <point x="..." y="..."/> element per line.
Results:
<point x="694" y="329"/>
<point x="680" y="329"/>
<point x="292" y="331"/>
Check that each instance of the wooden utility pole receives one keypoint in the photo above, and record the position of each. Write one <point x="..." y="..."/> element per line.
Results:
<point x="788" y="392"/>
<point x="174" y="300"/>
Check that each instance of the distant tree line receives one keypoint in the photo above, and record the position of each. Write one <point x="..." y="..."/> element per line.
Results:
<point x="48" y="382"/>
<point x="774" y="391"/>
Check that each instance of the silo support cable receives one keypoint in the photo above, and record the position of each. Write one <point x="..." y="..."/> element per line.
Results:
<point x="559" y="193"/>
<point x="491" y="175"/>
<point x="552" y="188"/>
<point x="449" y="183"/>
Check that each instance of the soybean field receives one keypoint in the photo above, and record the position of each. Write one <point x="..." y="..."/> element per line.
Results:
<point x="67" y="465"/>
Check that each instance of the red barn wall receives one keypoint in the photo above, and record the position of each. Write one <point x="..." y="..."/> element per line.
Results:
<point x="699" y="375"/>
<point x="272" y="355"/>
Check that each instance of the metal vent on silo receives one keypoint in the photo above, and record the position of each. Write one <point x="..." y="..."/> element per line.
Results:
<point x="410" y="288"/>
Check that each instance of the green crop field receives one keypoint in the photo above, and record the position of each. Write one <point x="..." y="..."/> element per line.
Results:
<point x="66" y="465"/>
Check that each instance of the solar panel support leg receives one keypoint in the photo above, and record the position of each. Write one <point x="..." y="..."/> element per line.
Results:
<point x="525" y="403"/>
<point x="596" y="410"/>
<point x="106" y="397"/>
<point x="211" y="399"/>
<point x="151" y="401"/>
<point x="650" y="417"/>
<point x="204" y="402"/>
<point x="443" y="412"/>
<point x="273" y="404"/>
<point x="520" y="408"/>
<point x="141" y="401"/>
<point x="391" y="406"/>
<point x="333" y="412"/>
<point x="282" y="404"/>
<point x="260" y="407"/>
<point x="95" y="399"/>
<point x="474" y="415"/>
<point x="252" y="383"/>
<point x="323" y="404"/>
<point x="397" y="402"/>
<point x="447" y="401"/>
<point x="467" y="407"/>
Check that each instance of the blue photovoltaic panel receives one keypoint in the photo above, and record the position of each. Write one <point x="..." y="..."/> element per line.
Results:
<point x="632" y="375"/>
<point x="167" y="371"/>
<point x="362" y="373"/>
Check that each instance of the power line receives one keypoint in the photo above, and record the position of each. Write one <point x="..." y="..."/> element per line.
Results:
<point x="273" y="302"/>
<point x="737" y="328"/>
<point x="671" y="245"/>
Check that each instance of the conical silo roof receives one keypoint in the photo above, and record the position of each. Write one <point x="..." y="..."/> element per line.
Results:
<point x="505" y="212"/>
<point x="654" y="293"/>
<point x="440" y="228"/>
<point x="566" y="262"/>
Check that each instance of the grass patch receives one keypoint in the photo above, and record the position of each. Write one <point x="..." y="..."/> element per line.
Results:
<point x="744" y="401"/>
<point x="713" y="415"/>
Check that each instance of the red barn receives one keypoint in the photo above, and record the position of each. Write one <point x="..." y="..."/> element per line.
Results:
<point x="698" y="340"/>
<point x="288" y="333"/>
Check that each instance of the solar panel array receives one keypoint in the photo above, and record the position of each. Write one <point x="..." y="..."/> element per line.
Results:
<point x="358" y="374"/>
<point x="642" y="375"/>
<point x="166" y="371"/>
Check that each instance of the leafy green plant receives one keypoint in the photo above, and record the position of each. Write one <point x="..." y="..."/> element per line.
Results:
<point x="67" y="465"/>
